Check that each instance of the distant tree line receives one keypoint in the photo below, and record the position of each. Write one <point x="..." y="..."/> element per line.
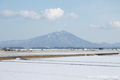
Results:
<point x="100" y="48"/>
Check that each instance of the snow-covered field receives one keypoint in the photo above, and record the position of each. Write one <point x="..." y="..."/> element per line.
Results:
<point x="62" y="68"/>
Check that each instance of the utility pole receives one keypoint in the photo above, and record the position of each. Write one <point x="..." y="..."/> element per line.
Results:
<point x="83" y="44"/>
<point x="26" y="45"/>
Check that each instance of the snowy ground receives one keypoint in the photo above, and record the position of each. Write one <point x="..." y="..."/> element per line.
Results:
<point x="65" y="68"/>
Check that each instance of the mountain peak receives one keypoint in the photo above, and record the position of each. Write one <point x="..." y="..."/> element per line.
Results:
<point x="57" y="33"/>
<point x="63" y="31"/>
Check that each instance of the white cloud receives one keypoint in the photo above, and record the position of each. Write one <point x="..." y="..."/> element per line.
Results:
<point x="115" y="24"/>
<point x="110" y="25"/>
<point x="9" y="13"/>
<point x="94" y="26"/>
<point x="30" y="14"/>
<point x="53" y="14"/>
<point x="72" y="15"/>
<point x="27" y="14"/>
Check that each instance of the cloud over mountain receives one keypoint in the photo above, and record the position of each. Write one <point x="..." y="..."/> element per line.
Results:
<point x="53" y="14"/>
<point x="50" y="14"/>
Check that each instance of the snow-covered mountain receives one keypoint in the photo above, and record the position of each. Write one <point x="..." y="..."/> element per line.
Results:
<point x="55" y="39"/>
<point x="59" y="39"/>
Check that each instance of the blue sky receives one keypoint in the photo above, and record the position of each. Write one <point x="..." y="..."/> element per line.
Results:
<point x="93" y="20"/>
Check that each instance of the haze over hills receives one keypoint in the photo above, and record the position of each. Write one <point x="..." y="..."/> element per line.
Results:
<point x="55" y="39"/>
